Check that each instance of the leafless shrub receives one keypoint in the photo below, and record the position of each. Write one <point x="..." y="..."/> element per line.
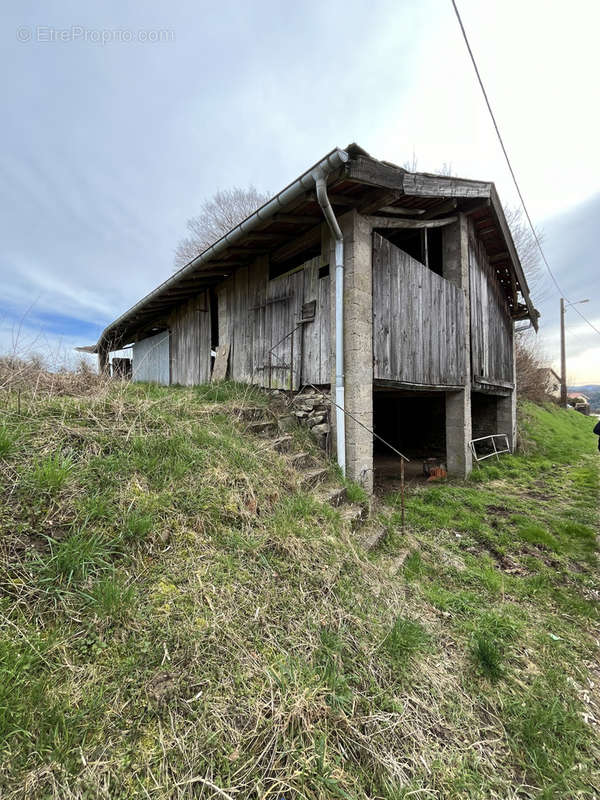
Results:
<point x="32" y="376"/>
<point x="532" y="371"/>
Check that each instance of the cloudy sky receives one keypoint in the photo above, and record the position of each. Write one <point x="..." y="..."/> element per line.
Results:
<point x="107" y="147"/>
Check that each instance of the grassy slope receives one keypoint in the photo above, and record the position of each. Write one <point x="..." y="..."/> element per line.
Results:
<point x="178" y="620"/>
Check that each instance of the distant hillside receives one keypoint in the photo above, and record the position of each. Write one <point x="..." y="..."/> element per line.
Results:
<point x="592" y="392"/>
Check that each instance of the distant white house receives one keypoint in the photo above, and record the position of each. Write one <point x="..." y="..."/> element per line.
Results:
<point x="551" y="382"/>
<point x="579" y="402"/>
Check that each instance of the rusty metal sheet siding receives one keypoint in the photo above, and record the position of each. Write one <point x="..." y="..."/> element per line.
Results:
<point x="151" y="359"/>
<point x="190" y="342"/>
<point x="418" y="321"/>
<point x="491" y="323"/>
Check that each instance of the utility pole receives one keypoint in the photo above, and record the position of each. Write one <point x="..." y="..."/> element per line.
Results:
<point x="563" y="356"/>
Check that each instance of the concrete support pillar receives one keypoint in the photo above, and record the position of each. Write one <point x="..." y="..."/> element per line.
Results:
<point x="507" y="407"/>
<point x="358" y="346"/>
<point x="459" y="461"/>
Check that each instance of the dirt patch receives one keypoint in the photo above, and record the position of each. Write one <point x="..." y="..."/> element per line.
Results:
<point x="539" y="496"/>
<point x="504" y="562"/>
<point x="499" y="511"/>
<point x="162" y="688"/>
<point x="541" y="553"/>
<point x="511" y="567"/>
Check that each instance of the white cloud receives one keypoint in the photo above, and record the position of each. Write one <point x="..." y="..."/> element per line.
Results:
<point x="111" y="149"/>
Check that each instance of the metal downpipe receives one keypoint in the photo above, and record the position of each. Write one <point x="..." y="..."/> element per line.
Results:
<point x="340" y="411"/>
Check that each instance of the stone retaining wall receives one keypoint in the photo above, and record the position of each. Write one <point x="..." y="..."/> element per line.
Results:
<point x="312" y="409"/>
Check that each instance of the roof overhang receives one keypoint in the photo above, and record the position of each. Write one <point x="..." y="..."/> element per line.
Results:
<point x="291" y="221"/>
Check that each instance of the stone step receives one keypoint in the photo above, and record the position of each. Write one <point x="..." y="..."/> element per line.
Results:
<point x="372" y="534"/>
<point x="287" y="423"/>
<point x="263" y="428"/>
<point x="302" y="461"/>
<point x="251" y="413"/>
<point x="282" y="444"/>
<point x="335" y="496"/>
<point x="354" y="515"/>
<point x="313" y="477"/>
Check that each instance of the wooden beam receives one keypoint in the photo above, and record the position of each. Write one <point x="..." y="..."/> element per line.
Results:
<point x="262" y="237"/>
<point x="209" y="274"/>
<point x="386" y="222"/>
<point x="297" y="245"/>
<point x="495" y="382"/>
<point x="421" y="185"/>
<point x="334" y="199"/>
<point x="301" y="219"/>
<point x="441" y="208"/>
<point x="419" y="387"/>
<point x="216" y="264"/>
<point x="182" y="295"/>
<point x="473" y="205"/>
<point x="402" y="212"/>
<point x="516" y="264"/>
<point x="375" y="173"/>
<point x="499" y="258"/>
<point x="247" y="251"/>
<point x="484" y="231"/>
<point x="376" y="200"/>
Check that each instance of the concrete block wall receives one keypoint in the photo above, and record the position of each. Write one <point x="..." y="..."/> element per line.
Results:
<point x="358" y="346"/>
<point x="484" y="414"/>
<point x="459" y="460"/>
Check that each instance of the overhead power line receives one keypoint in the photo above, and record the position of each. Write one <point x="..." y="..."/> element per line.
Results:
<point x="512" y="172"/>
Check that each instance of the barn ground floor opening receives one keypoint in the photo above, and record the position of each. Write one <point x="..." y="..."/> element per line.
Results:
<point x="490" y="414"/>
<point x="414" y="422"/>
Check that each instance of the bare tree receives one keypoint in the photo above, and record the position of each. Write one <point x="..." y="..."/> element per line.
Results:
<point x="411" y="164"/>
<point x="446" y="170"/>
<point x="218" y="215"/>
<point x="532" y="369"/>
<point x="527" y="247"/>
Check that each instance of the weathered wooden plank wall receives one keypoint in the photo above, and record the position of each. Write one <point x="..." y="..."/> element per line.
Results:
<point x="491" y="323"/>
<point x="190" y="341"/>
<point x="418" y="321"/>
<point x="151" y="359"/>
<point x="316" y="334"/>
<point x="284" y="299"/>
<point x="257" y="314"/>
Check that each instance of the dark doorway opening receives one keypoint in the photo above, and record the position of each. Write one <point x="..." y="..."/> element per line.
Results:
<point x="415" y="424"/>
<point x="484" y="420"/>
<point x="423" y="244"/>
<point x="214" y="325"/>
<point x="214" y="319"/>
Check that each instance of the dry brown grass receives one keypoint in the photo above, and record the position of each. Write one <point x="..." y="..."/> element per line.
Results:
<point x="31" y="376"/>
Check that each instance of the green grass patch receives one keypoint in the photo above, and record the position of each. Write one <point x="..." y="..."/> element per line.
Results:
<point x="51" y="473"/>
<point x="173" y="609"/>
<point x="7" y="440"/>
<point x="82" y="554"/>
<point x="405" y="640"/>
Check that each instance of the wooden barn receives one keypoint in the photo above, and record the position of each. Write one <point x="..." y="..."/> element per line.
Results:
<point x="396" y="292"/>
